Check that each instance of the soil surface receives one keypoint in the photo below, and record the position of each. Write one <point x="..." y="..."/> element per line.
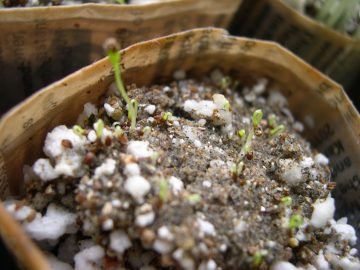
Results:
<point x="183" y="191"/>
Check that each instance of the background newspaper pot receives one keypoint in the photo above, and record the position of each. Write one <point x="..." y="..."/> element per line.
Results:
<point x="43" y="44"/>
<point x="332" y="52"/>
<point x="311" y="95"/>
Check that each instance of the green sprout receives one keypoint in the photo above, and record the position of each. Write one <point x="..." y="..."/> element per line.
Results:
<point x="194" y="198"/>
<point x="237" y="169"/>
<point x="241" y="133"/>
<point x="225" y="82"/>
<point x="164" y="192"/>
<point x="146" y="130"/>
<point x="167" y="116"/>
<point x="257" y="259"/>
<point x="287" y="201"/>
<point x="78" y="130"/>
<point x="227" y="105"/>
<point x="277" y="130"/>
<point x="112" y="49"/>
<point x="99" y="128"/>
<point x="256" y="118"/>
<point x="272" y="120"/>
<point x="118" y="131"/>
<point x="295" y="221"/>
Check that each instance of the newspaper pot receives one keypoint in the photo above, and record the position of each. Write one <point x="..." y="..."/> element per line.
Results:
<point x="334" y="127"/>
<point x="43" y="44"/>
<point x="335" y="54"/>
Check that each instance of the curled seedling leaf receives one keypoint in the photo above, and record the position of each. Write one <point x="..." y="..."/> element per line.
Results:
<point x="225" y="82"/>
<point x="146" y="130"/>
<point x="256" y="118"/>
<point x="194" y="198"/>
<point x="272" y="120"/>
<point x="277" y="130"/>
<point x="257" y="259"/>
<point x="227" y="105"/>
<point x="286" y="201"/>
<point x="78" y="130"/>
<point x="241" y="133"/>
<point x="119" y="131"/>
<point x="164" y="190"/>
<point x="99" y="128"/>
<point x="295" y="221"/>
<point x="237" y="169"/>
<point x="167" y="117"/>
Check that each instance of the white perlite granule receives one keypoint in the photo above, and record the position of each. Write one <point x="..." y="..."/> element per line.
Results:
<point x="119" y="241"/>
<point x="55" y="223"/>
<point x="53" y="147"/>
<point x="346" y="231"/>
<point x="137" y="186"/>
<point x="323" y="212"/>
<point x="208" y="265"/>
<point x="321" y="159"/>
<point x="281" y="265"/>
<point x="205" y="227"/>
<point x="106" y="168"/>
<point x="150" y="109"/>
<point x="89" y="258"/>
<point x="176" y="185"/>
<point x="139" y="149"/>
<point x="291" y="172"/>
<point x="43" y="168"/>
<point x="109" y="109"/>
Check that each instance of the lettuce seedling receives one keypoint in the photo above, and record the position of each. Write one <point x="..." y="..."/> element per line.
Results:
<point x="247" y="147"/>
<point x="277" y="130"/>
<point x="295" y="221"/>
<point x="78" y="130"/>
<point x="99" y="127"/>
<point x="112" y="50"/>
<point x="164" y="190"/>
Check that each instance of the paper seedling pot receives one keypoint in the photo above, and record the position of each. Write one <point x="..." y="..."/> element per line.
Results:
<point x="43" y="44"/>
<point x="333" y="123"/>
<point x="335" y="54"/>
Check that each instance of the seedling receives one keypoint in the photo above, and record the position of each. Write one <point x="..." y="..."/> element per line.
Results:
<point x="167" y="117"/>
<point x="78" y="130"/>
<point x="112" y="50"/>
<point x="227" y="105"/>
<point x="286" y="201"/>
<point x="256" y="118"/>
<point x="272" y="120"/>
<point x="146" y="130"/>
<point x="242" y="133"/>
<point x="295" y="221"/>
<point x="277" y="130"/>
<point x="164" y="192"/>
<point x="194" y="198"/>
<point x="225" y="82"/>
<point x="237" y="169"/>
<point x="118" y="131"/>
<point x="247" y="147"/>
<point x="99" y="127"/>
<point x="257" y="259"/>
